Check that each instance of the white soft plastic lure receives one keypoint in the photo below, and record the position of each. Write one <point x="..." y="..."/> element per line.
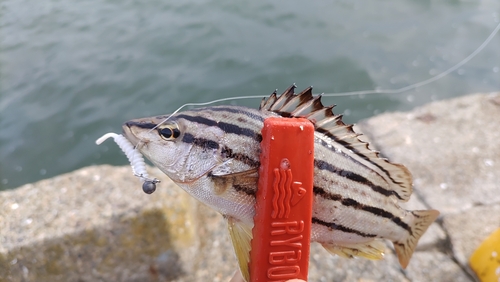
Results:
<point x="135" y="158"/>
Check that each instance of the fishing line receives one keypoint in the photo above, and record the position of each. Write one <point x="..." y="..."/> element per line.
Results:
<point x="200" y="104"/>
<point x="149" y="185"/>
<point x="425" y="82"/>
<point x="362" y="92"/>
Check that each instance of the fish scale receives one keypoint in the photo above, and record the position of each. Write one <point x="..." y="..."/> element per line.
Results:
<point x="215" y="158"/>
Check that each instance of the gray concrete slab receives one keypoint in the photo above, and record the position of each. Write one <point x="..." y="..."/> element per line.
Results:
<point x="96" y="224"/>
<point x="451" y="147"/>
<point x="468" y="229"/>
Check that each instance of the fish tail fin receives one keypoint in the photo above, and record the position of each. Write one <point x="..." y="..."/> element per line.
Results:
<point x="405" y="247"/>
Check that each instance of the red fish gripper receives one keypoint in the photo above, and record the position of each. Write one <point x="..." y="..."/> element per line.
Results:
<point x="282" y="222"/>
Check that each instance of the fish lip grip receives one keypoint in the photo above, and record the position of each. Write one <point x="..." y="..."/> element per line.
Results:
<point x="282" y="222"/>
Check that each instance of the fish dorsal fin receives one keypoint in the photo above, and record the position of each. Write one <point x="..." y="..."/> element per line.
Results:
<point x="326" y="122"/>
<point x="282" y="101"/>
<point x="267" y="102"/>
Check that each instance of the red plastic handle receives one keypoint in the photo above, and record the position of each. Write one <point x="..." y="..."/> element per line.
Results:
<point x="282" y="230"/>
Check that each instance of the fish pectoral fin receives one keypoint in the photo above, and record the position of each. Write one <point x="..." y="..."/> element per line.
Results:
<point x="370" y="250"/>
<point x="241" y="236"/>
<point x="245" y="181"/>
<point x="252" y="173"/>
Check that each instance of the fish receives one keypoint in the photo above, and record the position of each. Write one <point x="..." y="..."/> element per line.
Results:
<point x="213" y="154"/>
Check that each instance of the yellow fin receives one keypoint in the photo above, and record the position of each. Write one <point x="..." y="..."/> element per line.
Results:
<point x="422" y="221"/>
<point x="241" y="235"/>
<point x="370" y="250"/>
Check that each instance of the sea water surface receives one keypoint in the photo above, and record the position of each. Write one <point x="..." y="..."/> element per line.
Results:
<point x="73" y="70"/>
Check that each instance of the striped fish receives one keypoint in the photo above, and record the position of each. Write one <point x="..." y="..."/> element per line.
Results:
<point x="213" y="154"/>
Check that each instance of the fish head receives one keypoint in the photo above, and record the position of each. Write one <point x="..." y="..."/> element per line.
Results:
<point x="183" y="151"/>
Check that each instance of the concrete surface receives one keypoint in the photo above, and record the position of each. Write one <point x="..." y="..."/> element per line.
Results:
<point x="96" y="224"/>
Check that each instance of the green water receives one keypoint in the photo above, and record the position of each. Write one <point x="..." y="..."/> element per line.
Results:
<point x="71" y="71"/>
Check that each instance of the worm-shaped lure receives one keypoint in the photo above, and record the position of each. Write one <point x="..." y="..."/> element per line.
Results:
<point x="135" y="158"/>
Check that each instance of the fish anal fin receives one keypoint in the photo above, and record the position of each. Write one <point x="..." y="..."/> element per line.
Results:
<point x="241" y="236"/>
<point x="405" y="247"/>
<point x="371" y="250"/>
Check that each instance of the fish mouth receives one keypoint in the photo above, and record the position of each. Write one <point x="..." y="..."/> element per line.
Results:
<point x="128" y="132"/>
<point x="132" y="128"/>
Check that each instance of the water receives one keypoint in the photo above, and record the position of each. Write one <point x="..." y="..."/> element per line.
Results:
<point x="71" y="71"/>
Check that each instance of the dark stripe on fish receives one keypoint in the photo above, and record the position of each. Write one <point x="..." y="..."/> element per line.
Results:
<point x="226" y="127"/>
<point x="228" y="153"/>
<point x="145" y="125"/>
<point x="342" y="153"/>
<point x="359" y="206"/>
<point x="235" y="110"/>
<point x="342" y="228"/>
<point x="245" y="189"/>
<point x="200" y="142"/>
<point x="354" y="177"/>
<point x="348" y="146"/>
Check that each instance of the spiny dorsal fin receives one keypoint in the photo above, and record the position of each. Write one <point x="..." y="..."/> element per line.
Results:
<point x="267" y="102"/>
<point x="307" y="106"/>
<point x="282" y="100"/>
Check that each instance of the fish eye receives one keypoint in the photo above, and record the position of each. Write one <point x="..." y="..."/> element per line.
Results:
<point x="169" y="132"/>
